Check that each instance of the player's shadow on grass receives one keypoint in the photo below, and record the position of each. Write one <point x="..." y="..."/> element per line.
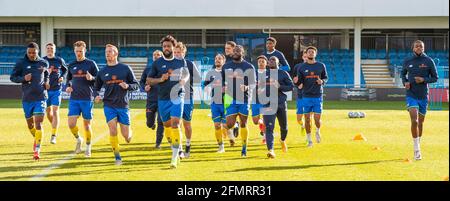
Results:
<point x="78" y="173"/>
<point x="299" y="167"/>
<point x="197" y="160"/>
<point x="130" y="159"/>
<point x="133" y="160"/>
<point x="141" y="149"/>
<point x="27" y="156"/>
<point x="128" y="166"/>
<point x="110" y="161"/>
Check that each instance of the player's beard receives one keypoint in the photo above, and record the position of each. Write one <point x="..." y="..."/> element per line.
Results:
<point x="168" y="54"/>
<point x="237" y="57"/>
<point x="418" y="54"/>
<point x="218" y="68"/>
<point x="32" y="58"/>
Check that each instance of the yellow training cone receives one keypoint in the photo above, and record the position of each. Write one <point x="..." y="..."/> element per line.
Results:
<point x="376" y="148"/>
<point x="359" y="137"/>
<point x="407" y="160"/>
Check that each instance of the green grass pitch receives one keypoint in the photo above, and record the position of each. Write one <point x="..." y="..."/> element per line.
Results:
<point x="338" y="157"/>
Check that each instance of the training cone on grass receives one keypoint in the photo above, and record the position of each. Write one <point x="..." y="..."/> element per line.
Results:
<point x="359" y="137"/>
<point x="376" y="148"/>
<point x="446" y="178"/>
<point x="407" y="160"/>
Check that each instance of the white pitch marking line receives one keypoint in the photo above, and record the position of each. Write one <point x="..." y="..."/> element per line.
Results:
<point x="47" y="170"/>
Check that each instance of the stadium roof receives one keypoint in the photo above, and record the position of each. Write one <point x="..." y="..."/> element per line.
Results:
<point x="224" y="8"/>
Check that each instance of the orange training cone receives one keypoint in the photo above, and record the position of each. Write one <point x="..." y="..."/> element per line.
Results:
<point x="446" y="178"/>
<point x="360" y="137"/>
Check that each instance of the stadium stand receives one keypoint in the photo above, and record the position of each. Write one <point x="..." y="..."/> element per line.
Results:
<point x="339" y="62"/>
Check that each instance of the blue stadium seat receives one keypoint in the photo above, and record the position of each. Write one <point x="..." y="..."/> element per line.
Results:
<point x="132" y="53"/>
<point x="393" y="61"/>
<point x="219" y="50"/>
<point x="381" y="54"/>
<point x="199" y="50"/>
<point x="210" y="52"/>
<point x="392" y="54"/>
<point x="190" y="57"/>
<point x="190" y="50"/>
<point x="142" y="53"/>
<point x="402" y="55"/>
<point x="151" y="50"/>
<point x="364" y="54"/>
<point x="431" y="53"/>
<point x="123" y="52"/>
<point x="440" y="54"/>
<point x="345" y="54"/>
<point x="444" y="61"/>
<point x="372" y="54"/>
